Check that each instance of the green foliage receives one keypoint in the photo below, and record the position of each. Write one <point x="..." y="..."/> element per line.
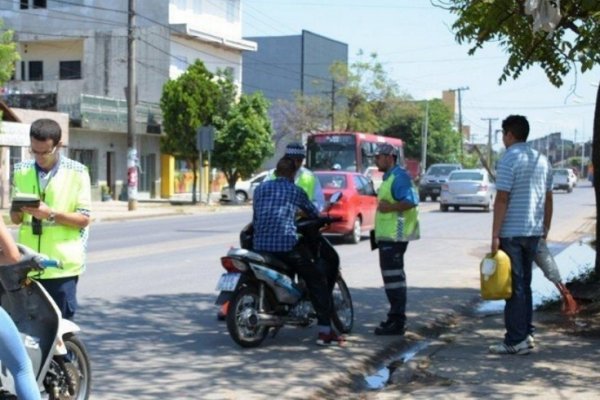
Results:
<point x="406" y="122"/>
<point x="8" y="54"/>
<point x="196" y="98"/>
<point x="244" y="142"/>
<point x="575" y="40"/>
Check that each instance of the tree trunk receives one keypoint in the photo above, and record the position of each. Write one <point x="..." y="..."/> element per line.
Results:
<point x="596" y="180"/>
<point x="195" y="181"/>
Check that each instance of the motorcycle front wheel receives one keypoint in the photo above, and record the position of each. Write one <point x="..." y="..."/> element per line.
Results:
<point x="343" y="310"/>
<point x="242" y="318"/>
<point x="69" y="377"/>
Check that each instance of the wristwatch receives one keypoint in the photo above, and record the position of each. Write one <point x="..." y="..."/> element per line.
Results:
<point x="52" y="217"/>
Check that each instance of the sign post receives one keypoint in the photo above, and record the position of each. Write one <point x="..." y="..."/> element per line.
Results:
<point x="205" y="139"/>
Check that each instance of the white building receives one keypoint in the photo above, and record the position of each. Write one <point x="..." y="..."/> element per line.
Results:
<point x="74" y="60"/>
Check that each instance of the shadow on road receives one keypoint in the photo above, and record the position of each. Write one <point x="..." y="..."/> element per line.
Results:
<point x="172" y="346"/>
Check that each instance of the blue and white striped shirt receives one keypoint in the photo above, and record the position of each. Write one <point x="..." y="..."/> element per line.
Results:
<point x="526" y="175"/>
<point x="275" y="204"/>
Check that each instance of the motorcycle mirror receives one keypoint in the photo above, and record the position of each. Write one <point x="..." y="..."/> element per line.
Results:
<point x="335" y="197"/>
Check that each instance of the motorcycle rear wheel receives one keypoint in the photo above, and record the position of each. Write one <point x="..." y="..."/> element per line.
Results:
<point x="75" y="366"/>
<point x="242" y="310"/>
<point x="342" y="314"/>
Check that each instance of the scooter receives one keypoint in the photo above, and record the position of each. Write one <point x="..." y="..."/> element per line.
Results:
<point x="264" y="294"/>
<point x="60" y="360"/>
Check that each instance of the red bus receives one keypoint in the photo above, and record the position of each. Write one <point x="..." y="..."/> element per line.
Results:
<point x="351" y="151"/>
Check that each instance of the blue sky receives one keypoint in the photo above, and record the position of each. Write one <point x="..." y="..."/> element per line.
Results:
<point x="414" y="42"/>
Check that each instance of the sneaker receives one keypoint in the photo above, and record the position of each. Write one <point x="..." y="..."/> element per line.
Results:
<point x="530" y="341"/>
<point x="390" y="328"/>
<point x="521" y="348"/>
<point x="329" y="339"/>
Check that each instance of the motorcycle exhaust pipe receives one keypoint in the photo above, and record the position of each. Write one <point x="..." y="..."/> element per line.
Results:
<point x="263" y="319"/>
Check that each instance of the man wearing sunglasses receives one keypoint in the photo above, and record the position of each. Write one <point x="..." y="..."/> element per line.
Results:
<point x="58" y="226"/>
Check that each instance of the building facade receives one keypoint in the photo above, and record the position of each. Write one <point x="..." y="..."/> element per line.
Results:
<point x="74" y="60"/>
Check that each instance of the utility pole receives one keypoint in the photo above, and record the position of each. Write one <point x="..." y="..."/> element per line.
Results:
<point x="460" y="125"/>
<point x="424" y="135"/>
<point x="132" y="159"/>
<point x="489" y="120"/>
<point x="333" y="105"/>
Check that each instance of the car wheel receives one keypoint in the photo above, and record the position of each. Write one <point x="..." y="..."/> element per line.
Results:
<point x="487" y="208"/>
<point x="443" y="208"/>
<point x="433" y="197"/>
<point x="241" y="196"/>
<point x="569" y="189"/>
<point x="356" y="234"/>
<point x="422" y="197"/>
<point x="456" y="208"/>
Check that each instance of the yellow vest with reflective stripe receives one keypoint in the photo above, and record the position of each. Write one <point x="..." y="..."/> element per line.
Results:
<point x="57" y="242"/>
<point x="395" y="226"/>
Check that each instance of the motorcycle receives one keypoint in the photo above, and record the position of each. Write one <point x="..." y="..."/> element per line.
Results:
<point x="59" y="358"/>
<point x="264" y="294"/>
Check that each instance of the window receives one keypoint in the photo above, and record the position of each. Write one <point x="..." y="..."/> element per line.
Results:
<point x="36" y="71"/>
<point x="87" y="158"/>
<point x="180" y="62"/>
<point x="35" y="4"/>
<point x="231" y="10"/>
<point x="69" y="70"/>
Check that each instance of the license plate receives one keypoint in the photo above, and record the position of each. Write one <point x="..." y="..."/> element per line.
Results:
<point x="228" y="282"/>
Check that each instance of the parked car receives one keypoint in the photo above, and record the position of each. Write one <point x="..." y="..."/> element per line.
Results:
<point x="244" y="190"/>
<point x="563" y="179"/>
<point x="468" y="188"/>
<point x="431" y="183"/>
<point x="357" y="206"/>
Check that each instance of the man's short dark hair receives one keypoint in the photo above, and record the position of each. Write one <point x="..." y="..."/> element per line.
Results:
<point x="518" y="126"/>
<point x="286" y="168"/>
<point x="44" y="129"/>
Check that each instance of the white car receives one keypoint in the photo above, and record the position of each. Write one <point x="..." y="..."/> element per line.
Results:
<point x="244" y="190"/>
<point x="468" y="188"/>
<point x="563" y="179"/>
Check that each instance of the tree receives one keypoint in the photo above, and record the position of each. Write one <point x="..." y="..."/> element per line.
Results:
<point x="303" y="114"/>
<point x="8" y="54"/>
<point x="369" y="95"/>
<point x="406" y="122"/>
<point x="572" y="42"/>
<point x="244" y="141"/>
<point x="192" y="100"/>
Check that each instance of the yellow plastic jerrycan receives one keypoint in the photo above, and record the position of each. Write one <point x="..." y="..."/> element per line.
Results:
<point x="496" y="280"/>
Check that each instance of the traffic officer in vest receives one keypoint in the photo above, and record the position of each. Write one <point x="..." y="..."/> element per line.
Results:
<point x="58" y="227"/>
<point x="396" y="223"/>
<point x="305" y="178"/>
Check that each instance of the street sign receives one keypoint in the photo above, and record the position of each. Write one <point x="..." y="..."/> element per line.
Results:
<point x="205" y="138"/>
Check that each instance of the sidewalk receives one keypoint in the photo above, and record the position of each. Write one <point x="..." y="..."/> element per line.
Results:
<point x="119" y="210"/>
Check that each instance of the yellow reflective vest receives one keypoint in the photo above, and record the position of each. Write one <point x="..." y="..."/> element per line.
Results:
<point x="396" y="226"/>
<point x="67" y="191"/>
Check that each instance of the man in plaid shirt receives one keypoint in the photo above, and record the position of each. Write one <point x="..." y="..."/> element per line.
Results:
<point x="275" y="205"/>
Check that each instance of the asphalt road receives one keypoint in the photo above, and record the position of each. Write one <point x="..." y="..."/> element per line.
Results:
<point x="148" y="319"/>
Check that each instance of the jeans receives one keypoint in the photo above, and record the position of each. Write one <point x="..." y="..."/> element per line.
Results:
<point x="518" y="311"/>
<point x="391" y="263"/>
<point x="64" y="293"/>
<point x="299" y="259"/>
<point x="15" y="358"/>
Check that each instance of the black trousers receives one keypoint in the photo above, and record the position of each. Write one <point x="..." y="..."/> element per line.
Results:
<point x="391" y="262"/>
<point x="300" y="260"/>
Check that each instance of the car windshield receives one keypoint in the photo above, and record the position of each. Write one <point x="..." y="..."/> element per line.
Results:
<point x="441" y="170"/>
<point x="466" y="176"/>
<point x="560" y="172"/>
<point x="332" y="181"/>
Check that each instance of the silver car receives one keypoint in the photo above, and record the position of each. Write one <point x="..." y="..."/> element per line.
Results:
<point x="468" y="188"/>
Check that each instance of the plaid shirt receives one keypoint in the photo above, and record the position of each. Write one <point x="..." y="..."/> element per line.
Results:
<point x="275" y="204"/>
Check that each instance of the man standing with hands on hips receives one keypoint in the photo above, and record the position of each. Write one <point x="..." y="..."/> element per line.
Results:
<point x="396" y="223"/>
<point x="522" y="215"/>
<point x="56" y="228"/>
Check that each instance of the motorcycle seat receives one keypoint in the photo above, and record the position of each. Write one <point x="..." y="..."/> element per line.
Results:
<point x="275" y="263"/>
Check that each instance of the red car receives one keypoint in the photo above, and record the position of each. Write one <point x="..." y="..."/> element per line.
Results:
<point x="357" y="206"/>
